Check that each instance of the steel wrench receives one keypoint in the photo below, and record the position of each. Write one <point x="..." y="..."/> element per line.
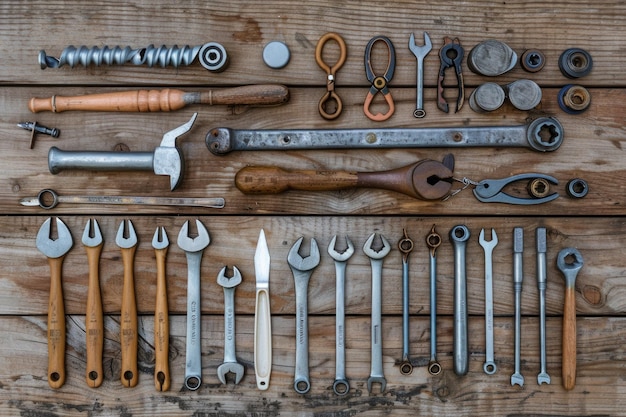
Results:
<point x="230" y="363"/>
<point x="406" y="247"/>
<point x="377" y="374"/>
<point x="433" y="241"/>
<point x="518" y="276"/>
<point x="459" y="236"/>
<point x="490" y="365"/>
<point x="542" y="377"/>
<point x="193" y="248"/>
<point x="302" y="268"/>
<point x="420" y="53"/>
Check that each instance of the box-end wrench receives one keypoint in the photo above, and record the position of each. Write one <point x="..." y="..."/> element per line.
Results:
<point x="302" y="268"/>
<point x="433" y="241"/>
<point x="459" y="236"/>
<point x="420" y="53"/>
<point x="377" y="374"/>
<point x="230" y="364"/>
<point x="518" y="277"/>
<point x="540" y="235"/>
<point x="570" y="271"/>
<point x="341" y="386"/>
<point x="406" y="247"/>
<point x="490" y="365"/>
<point x="193" y="248"/>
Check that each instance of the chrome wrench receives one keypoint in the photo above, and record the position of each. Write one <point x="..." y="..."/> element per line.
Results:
<point x="230" y="364"/>
<point x="490" y="365"/>
<point x="459" y="236"/>
<point x="406" y="247"/>
<point x="518" y="276"/>
<point x="542" y="377"/>
<point x="420" y="53"/>
<point x="433" y="241"/>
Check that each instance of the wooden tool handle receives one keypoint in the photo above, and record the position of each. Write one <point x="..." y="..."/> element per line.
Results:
<point x="162" y="100"/>
<point x="94" y="322"/>
<point x="56" y="326"/>
<point x="274" y="180"/>
<point x="569" y="339"/>
<point x="128" y="322"/>
<point x="161" y="327"/>
<point x="262" y="340"/>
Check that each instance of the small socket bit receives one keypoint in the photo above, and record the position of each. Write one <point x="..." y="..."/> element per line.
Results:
<point x="37" y="128"/>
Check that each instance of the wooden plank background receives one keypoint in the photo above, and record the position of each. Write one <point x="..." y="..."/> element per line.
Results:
<point x="592" y="150"/>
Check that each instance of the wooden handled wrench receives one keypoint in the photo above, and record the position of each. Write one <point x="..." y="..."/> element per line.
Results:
<point x="163" y="100"/>
<point x="161" y="317"/>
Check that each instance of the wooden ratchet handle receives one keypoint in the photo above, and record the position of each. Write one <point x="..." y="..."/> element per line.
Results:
<point x="163" y="100"/>
<point x="94" y="322"/>
<point x="569" y="339"/>
<point x="274" y="180"/>
<point x="128" y="322"/>
<point x="56" y="326"/>
<point x="161" y="327"/>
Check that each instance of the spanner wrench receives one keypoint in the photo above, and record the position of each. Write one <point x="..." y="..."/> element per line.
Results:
<point x="542" y="377"/>
<point x="490" y="365"/>
<point x="433" y="241"/>
<point x="420" y="53"/>
<point x="518" y="276"/>
<point x="406" y="247"/>
<point x="302" y="268"/>
<point x="193" y="248"/>
<point x="459" y="236"/>
<point x="230" y="363"/>
<point x="341" y="386"/>
<point x="377" y="374"/>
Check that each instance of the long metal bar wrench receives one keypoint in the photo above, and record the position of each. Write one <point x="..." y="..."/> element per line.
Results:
<point x="420" y="53"/>
<point x="406" y="247"/>
<point x="433" y="241"/>
<point x="490" y="365"/>
<point x="459" y="236"/>
<point x="518" y="276"/>
<point x="542" y="246"/>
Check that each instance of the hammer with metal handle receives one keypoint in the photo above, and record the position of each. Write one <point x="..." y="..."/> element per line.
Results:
<point x="163" y="100"/>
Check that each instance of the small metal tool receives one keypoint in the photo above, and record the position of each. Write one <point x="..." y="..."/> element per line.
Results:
<point x="331" y="71"/>
<point x="491" y="58"/>
<point x="380" y="83"/>
<point x="490" y="365"/>
<point x="451" y="55"/>
<point x="433" y="241"/>
<point x="35" y="128"/>
<point x="459" y="235"/>
<point x="230" y="364"/>
<point x="518" y="276"/>
<point x="406" y="247"/>
<point x="540" y="235"/>
<point x="420" y="53"/>
<point x="490" y="190"/>
<point x="162" y="379"/>
<point x="262" y="315"/>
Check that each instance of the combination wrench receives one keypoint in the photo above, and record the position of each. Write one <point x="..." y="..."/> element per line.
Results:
<point x="230" y="364"/>
<point x="433" y="241"/>
<point x="341" y="386"/>
<point x="540" y="235"/>
<point x="518" y="277"/>
<point x="406" y="247"/>
<point x="420" y="53"/>
<point x="459" y="236"/>
<point x="377" y="374"/>
<point x="490" y="365"/>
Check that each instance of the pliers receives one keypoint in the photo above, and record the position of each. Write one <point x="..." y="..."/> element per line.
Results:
<point x="451" y="55"/>
<point x="490" y="191"/>
<point x="379" y="82"/>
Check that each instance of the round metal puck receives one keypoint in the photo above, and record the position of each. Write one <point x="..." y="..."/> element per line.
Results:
<point x="491" y="58"/>
<point x="575" y="63"/>
<point x="524" y="94"/>
<point x="487" y="97"/>
<point x="276" y="54"/>
<point x="574" y="99"/>
<point x="577" y="188"/>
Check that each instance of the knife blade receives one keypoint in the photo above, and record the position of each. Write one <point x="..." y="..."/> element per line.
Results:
<point x="262" y="315"/>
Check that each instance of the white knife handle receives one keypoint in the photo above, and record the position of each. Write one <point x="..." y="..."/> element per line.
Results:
<point x="262" y="339"/>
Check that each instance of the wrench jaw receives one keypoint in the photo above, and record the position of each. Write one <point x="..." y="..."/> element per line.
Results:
<point x="234" y="368"/>
<point x="517" y="379"/>
<point x="376" y="380"/>
<point x="543" y="378"/>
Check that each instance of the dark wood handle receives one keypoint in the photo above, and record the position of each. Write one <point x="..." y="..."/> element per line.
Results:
<point x="274" y="180"/>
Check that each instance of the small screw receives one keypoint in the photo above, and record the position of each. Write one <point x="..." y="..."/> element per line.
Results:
<point x="36" y="128"/>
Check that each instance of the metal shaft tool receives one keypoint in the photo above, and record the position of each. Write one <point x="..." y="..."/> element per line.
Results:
<point x="406" y="247"/>
<point x="55" y="250"/>
<point x="420" y="53"/>
<point x="542" y="377"/>
<point x="459" y="235"/>
<point x="193" y="247"/>
<point x="490" y="365"/>
<point x="230" y="364"/>
<point x="518" y="275"/>
<point x="162" y="379"/>
<point x="262" y="315"/>
<point x="433" y="241"/>
<point x="570" y="272"/>
<point x="341" y="386"/>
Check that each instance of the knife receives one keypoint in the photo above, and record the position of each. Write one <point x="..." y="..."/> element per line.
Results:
<point x="262" y="316"/>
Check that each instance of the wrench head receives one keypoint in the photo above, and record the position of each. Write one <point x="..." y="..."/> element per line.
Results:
<point x="303" y="264"/>
<point x="490" y="368"/>
<point x="543" y="378"/>
<point x="459" y="234"/>
<point x="196" y="244"/>
<point x="420" y="51"/>
<point x="569" y="269"/>
<point x="160" y="241"/>
<point x="231" y="282"/>
<point x="230" y="367"/>
<point x="126" y="242"/>
<point x="376" y="380"/>
<point x="341" y="387"/>
<point x="57" y="247"/>
<point x="517" y="379"/>
<point x="92" y="237"/>
<point x="340" y="256"/>
<point x="488" y="244"/>
<point x="371" y="253"/>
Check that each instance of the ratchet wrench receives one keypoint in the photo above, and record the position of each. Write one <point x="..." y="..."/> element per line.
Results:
<point x="459" y="236"/>
<point x="490" y="365"/>
<point x="433" y="241"/>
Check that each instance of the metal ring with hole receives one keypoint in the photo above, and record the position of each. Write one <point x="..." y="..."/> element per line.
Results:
<point x="575" y="63"/>
<point x="538" y="188"/>
<point x="213" y="57"/>
<point x="577" y="188"/>
<point x="545" y="134"/>
<point x="532" y="60"/>
<point x="574" y="99"/>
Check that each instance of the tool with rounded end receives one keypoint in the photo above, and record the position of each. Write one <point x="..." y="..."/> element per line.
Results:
<point x="518" y="276"/>
<point x="490" y="365"/>
<point x="94" y="320"/>
<point x="377" y="375"/>
<point x="163" y="100"/>
<point x="126" y="239"/>
<point x="459" y="235"/>
<point x="540" y="235"/>
<point x="379" y="83"/>
<point x="341" y="385"/>
<point x="433" y="241"/>
<point x="570" y="271"/>
<point x="405" y="245"/>
<point x="55" y="250"/>
<point x="262" y="315"/>
<point x="162" y="380"/>
<point x="420" y="53"/>
<point x="193" y="247"/>
<point x="230" y="364"/>
<point x="331" y="71"/>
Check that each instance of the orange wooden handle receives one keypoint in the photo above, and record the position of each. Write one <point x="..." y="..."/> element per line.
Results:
<point x="273" y="180"/>
<point x="94" y="322"/>
<point x="128" y="322"/>
<point x="161" y="327"/>
<point x="56" y="326"/>
<point x="569" y="339"/>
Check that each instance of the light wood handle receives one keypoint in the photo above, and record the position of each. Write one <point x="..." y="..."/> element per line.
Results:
<point x="569" y="339"/>
<point x="94" y="322"/>
<point x="56" y="326"/>
<point x="274" y="180"/>
<point x="262" y="340"/>
<point x="161" y="326"/>
<point x="128" y="321"/>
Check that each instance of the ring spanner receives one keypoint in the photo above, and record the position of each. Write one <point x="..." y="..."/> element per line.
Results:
<point x="490" y="365"/>
<point x="433" y="241"/>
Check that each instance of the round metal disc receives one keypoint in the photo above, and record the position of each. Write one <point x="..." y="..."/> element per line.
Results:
<point x="276" y="54"/>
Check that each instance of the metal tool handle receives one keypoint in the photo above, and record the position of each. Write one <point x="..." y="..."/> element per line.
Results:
<point x="193" y="354"/>
<point x="129" y="337"/>
<point x="341" y="386"/>
<point x="301" y="383"/>
<point x="262" y="339"/>
<point x="161" y="326"/>
<point x="59" y="160"/>
<point x="229" y="325"/>
<point x="376" y="369"/>
<point x="56" y="326"/>
<point x="94" y="321"/>
<point x="460" y="352"/>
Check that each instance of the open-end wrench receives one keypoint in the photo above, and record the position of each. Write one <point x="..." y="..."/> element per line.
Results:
<point x="570" y="271"/>
<point x="433" y="241"/>
<point x="302" y="268"/>
<point x="55" y="250"/>
<point x="459" y="236"/>
<point x="341" y="386"/>
<point x="377" y="374"/>
<point x="490" y="365"/>
<point x="230" y="363"/>
<point x="193" y="248"/>
<point x="406" y="247"/>
<point x="94" y="320"/>
<point x="420" y="53"/>
<point x="162" y="380"/>
<point x="543" y="377"/>
<point x="518" y="277"/>
<point x="129" y="334"/>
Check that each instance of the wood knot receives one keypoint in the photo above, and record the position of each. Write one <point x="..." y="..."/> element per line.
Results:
<point x="593" y="295"/>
